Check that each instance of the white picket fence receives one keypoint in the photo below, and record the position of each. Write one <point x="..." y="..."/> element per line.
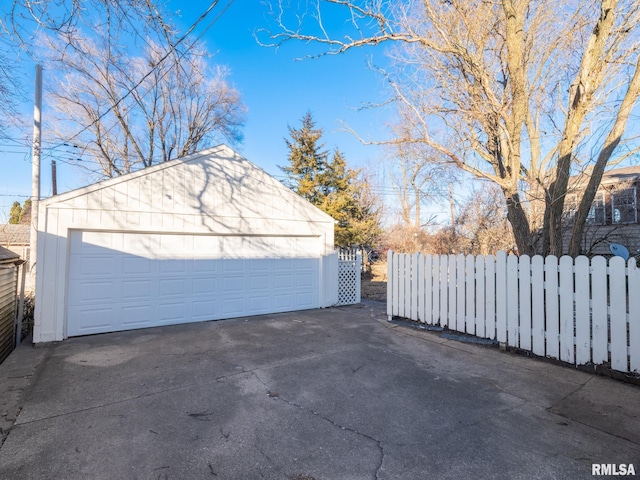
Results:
<point x="579" y="310"/>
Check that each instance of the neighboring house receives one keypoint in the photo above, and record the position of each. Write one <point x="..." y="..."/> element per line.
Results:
<point x="614" y="215"/>
<point x="204" y="237"/>
<point x="16" y="238"/>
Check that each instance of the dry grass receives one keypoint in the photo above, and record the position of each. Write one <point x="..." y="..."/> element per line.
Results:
<point x="374" y="284"/>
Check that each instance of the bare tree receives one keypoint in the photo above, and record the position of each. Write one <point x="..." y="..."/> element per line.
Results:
<point x="9" y="91"/>
<point x="514" y="91"/>
<point x="182" y="106"/>
<point x="127" y="88"/>
<point x="482" y="224"/>
<point x="420" y="176"/>
<point x="134" y="111"/>
<point x="65" y="17"/>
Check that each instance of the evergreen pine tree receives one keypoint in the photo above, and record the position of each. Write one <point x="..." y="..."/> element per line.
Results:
<point x="15" y="213"/>
<point x="307" y="160"/>
<point x="331" y="186"/>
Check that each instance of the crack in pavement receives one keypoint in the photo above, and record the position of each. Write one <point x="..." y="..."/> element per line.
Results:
<point x="576" y="390"/>
<point x="326" y="419"/>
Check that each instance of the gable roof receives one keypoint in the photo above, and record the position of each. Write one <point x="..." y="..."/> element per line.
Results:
<point x="622" y="177"/>
<point x="14" y="234"/>
<point x="208" y="181"/>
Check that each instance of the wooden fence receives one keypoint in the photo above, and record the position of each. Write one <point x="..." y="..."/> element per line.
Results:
<point x="8" y="303"/>
<point x="580" y="311"/>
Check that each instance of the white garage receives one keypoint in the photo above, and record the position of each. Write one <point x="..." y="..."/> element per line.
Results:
<point x="205" y="237"/>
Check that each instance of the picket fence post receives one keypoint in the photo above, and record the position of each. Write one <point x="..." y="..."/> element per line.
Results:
<point x="577" y="310"/>
<point x="634" y="316"/>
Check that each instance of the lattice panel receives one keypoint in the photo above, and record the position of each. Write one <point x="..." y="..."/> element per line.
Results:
<point x="349" y="279"/>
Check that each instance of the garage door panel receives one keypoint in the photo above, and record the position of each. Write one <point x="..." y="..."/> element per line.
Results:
<point x="283" y="301"/>
<point x="204" y="285"/>
<point x="283" y="281"/>
<point x="305" y="264"/>
<point x="204" y="309"/>
<point x="96" y="266"/>
<point x="93" y="319"/>
<point x="259" y="304"/>
<point x="136" y="316"/>
<point x="283" y="264"/>
<point x="136" y="289"/>
<point x="92" y="292"/>
<point x="305" y="280"/>
<point x="304" y="299"/>
<point x="259" y="265"/>
<point x="172" y="286"/>
<point x="205" y="266"/>
<point x="259" y="282"/>
<point x="173" y="266"/>
<point x="233" y="265"/>
<point x="169" y="313"/>
<point x="232" y="306"/>
<point x="232" y="284"/>
<point x="135" y="265"/>
<point x="208" y="278"/>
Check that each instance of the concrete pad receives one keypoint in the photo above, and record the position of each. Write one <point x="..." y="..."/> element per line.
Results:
<point x="323" y="394"/>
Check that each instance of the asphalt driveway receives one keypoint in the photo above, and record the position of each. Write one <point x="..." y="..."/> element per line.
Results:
<point x="326" y="394"/>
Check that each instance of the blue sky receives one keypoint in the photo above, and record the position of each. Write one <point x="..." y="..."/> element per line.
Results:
<point x="277" y="90"/>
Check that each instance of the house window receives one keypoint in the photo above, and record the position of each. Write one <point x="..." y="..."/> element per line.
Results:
<point x="623" y="206"/>
<point x="570" y="208"/>
<point x="596" y="212"/>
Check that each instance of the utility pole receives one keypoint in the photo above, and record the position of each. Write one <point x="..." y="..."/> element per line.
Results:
<point x="35" y="173"/>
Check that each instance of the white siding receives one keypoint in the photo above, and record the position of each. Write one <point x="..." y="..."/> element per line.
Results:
<point x="215" y="193"/>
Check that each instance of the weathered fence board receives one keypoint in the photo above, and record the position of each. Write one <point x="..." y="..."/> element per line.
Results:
<point x="551" y="302"/>
<point x="501" y="297"/>
<point x="580" y="311"/>
<point x="480" y="305"/>
<point x="537" y="300"/>
<point x="634" y="317"/>
<point x="599" y="308"/>
<point x="618" y="314"/>
<point x="524" y="288"/>
<point x="582" y="321"/>
<point x="444" y="291"/>
<point x="566" y="309"/>
<point x="453" y="290"/>
<point x="490" y="298"/>
<point x="512" y="301"/>
<point x="460" y="293"/>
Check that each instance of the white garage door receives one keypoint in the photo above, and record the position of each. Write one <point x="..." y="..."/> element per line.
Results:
<point x="121" y="281"/>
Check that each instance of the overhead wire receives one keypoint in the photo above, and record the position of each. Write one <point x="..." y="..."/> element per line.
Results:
<point x="171" y="50"/>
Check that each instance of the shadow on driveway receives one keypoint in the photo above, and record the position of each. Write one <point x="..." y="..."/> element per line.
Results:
<point x="323" y="394"/>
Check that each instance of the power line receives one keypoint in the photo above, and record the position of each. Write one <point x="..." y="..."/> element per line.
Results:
<point x="172" y="49"/>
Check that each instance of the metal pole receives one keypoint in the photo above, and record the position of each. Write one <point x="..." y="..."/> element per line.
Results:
<point x="35" y="173"/>
<point x="54" y="178"/>
<point x="23" y="267"/>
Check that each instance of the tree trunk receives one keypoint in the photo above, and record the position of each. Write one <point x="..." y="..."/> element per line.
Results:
<point x="610" y="144"/>
<point x="519" y="223"/>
